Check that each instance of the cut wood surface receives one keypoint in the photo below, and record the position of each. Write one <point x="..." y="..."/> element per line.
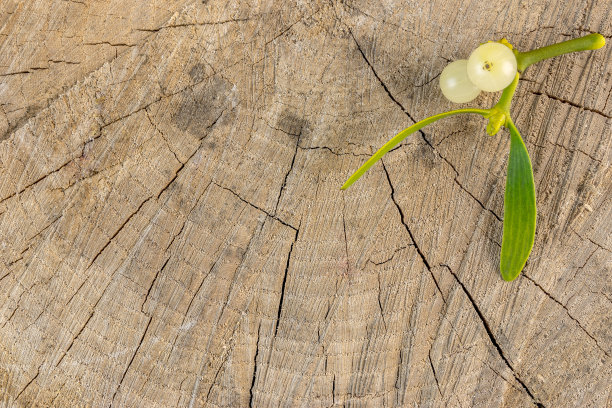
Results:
<point x="173" y="234"/>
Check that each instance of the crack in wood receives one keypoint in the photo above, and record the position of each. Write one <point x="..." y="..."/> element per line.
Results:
<point x="194" y="24"/>
<point x="171" y="243"/>
<point x="78" y="333"/>
<point x="329" y="149"/>
<point x="93" y="311"/>
<point x="15" y="73"/>
<point x="162" y="135"/>
<point x="333" y="391"/>
<point x="423" y="136"/>
<point x="214" y="380"/>
<point x="34" y="183"/>
<point x="591" y="241"/>
<point x="524" y="275"/>
<point x="390" y="258"/>
<point x="110" y="44"/>
<point x="252" y="388"/>
<point x="492" y="338"/>
<point x="153" y="283"/>
<point x="403" y="221"/>
<point x="433" y="370"/>
<point x="574" y="104"/>
<point x="380" y="307"/>
<point x="274" y="217"/>
<point x="280" y="193"/>
<point x="567" y="149"/>
<point x="476" y="199"/>
<point x="282" y="293"/>
<point x="28" y="384"/>
<point x="117" y="232"/>
<point x="131" y="361"/>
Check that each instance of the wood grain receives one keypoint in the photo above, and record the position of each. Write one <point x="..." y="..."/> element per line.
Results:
<point x="172" y="231"/>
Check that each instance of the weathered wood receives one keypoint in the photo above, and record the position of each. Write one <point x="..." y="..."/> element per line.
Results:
<point x="172" y="231"/>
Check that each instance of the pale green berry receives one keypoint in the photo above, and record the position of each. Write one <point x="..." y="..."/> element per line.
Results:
<point x="491" y="67"/>
<point x="455" y="84"/>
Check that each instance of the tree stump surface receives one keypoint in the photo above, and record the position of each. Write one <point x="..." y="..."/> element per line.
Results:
<point x="172" y="233"/>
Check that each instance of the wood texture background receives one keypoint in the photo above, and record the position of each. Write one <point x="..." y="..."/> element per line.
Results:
<point x="172" y="231"/>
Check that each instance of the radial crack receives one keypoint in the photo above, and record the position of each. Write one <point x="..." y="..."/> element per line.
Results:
<point x="478" y="201"/>
<point x="93" y="311"/>
<point x="274" y="217"/>
<point x="402" y="218"/>
<point x="108" y="43"/>
<point x="492" y="337"/>
<point x="153" y="284"/>
<point x="390" y="258"/>
<point x="570" y="150"/>
<point x="420" y="131"/>
<point x="254" y="366"/>
<point x="282" y="294"/>
<point x="568" y="313"/>
<point x="117" y="232"/>
<point x="194" y="24"/>
<point x="131" y="360"/>
<point x="574" y="104"/>
<point x="29" y="383"/>
<point x="32" y="184"/>
<point x="329" y="149"/>
<point x="380" y="306"/>
<point x="162" y="135"/>
<point x="282" y="189"/>
<point x="392" y="97"/>
<point x="433" y="370"/>
<point x="416" y="246"/>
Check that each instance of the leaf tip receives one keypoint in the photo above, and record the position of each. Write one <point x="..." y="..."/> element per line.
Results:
<point x="509" y="272"/>
<point x="509" y="277"/>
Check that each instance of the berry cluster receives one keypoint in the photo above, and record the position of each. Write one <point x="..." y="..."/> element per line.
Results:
<point x="491" y="67"/>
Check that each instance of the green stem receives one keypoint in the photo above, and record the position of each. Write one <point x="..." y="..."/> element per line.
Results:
<point x="403" y="134"/>
<point x="500" y="113"/>
<point x="506" y="97"/>
<point x="588" y="42"/>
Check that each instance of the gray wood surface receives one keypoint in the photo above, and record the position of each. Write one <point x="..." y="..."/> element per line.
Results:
<point x="172" y="231"/>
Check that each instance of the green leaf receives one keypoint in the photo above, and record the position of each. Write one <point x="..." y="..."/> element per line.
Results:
<point x="402" y="135"/>
<point x="519" y="209"/>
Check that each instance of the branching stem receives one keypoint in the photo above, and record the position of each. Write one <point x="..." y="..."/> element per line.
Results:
<point x="519" y="199"/>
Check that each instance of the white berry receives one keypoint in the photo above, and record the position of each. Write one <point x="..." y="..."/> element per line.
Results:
<point x="455" y="84"/>
<point x="492" y="67"/>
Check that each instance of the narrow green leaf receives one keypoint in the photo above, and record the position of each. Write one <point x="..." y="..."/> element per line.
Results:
<point x="519" y="209"/>
<point x="402" y="135"/>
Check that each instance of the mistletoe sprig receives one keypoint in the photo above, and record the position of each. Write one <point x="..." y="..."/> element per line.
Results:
<point x="492" y="67"/>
